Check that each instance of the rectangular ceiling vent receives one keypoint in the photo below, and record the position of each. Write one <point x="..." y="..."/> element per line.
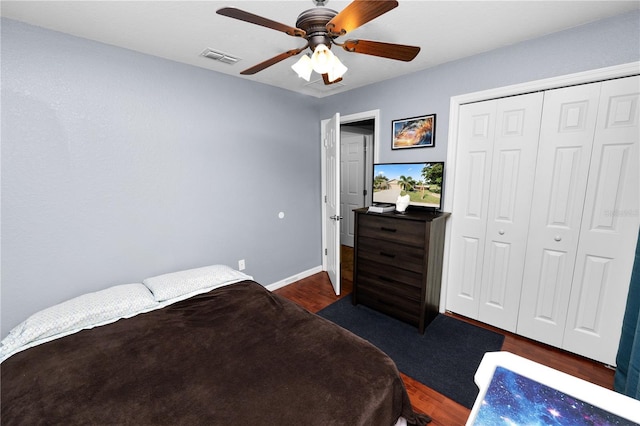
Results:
<point x="219" y="56"/>
<point x="318" y="84"/>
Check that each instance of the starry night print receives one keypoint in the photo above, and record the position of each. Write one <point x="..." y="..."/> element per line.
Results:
<point x="512" y="399"/>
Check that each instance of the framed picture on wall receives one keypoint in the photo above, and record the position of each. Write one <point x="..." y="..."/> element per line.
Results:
<point x="414" y="132"/>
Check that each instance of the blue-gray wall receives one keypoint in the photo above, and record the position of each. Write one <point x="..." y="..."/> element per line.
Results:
<point x="117" y="165"/>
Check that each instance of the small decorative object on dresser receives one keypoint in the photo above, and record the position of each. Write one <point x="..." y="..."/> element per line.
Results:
<point x="402" y="203"/>
<point x="398" y="263"/>
<point x="381" y="208"/>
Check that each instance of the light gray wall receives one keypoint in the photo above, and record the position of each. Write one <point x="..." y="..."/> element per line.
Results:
<point x="117" y="166"/>
<point x="611" y="41"/>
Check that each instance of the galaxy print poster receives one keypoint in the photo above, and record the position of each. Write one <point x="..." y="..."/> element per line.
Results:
<point x="512" y="399"/>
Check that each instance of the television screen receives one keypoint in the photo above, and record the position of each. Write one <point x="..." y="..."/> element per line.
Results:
<point x="422" y="181"/>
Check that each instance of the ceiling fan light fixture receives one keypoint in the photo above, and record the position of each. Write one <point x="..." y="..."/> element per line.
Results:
<point x="303" y="67"/>
<point x="322" y="59"/>
<point x="323" y="62"/>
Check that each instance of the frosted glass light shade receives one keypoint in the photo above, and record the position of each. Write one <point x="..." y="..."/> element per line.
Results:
<point x="322" y="59"/>
<point x="337" y="70"/>
<point x="303" y="67"/>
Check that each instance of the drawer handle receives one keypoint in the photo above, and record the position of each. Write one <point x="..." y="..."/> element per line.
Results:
<point x="391" y="255"/>
<point x="381" y="278"/>
<point x="382" y="228"/>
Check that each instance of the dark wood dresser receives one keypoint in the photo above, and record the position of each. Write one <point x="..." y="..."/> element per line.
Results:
<point x="397" y="266"/>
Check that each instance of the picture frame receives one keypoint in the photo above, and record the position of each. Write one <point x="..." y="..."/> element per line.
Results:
<point x="414" y="132"/>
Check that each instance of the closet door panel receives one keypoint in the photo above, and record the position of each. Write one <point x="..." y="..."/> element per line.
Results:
<point x="609" y="228"/>
<point x="468" y="224"/>
<point x="512" y="180"/>
<point x="566" y="140"/>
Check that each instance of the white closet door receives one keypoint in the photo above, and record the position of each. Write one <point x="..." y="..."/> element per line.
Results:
<point x="566" y="139"/>
<point x="609" y="228"/>
<point x="470" y="205"/>
<point x="512" y="180"/>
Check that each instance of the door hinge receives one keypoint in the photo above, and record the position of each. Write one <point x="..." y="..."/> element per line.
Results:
<point x="325" y="252"/>
<point x="364" y="192"/>
<point x="325" y="198"/>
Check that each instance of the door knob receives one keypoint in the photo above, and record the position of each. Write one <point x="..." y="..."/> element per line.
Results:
<point x="336" y="218"/>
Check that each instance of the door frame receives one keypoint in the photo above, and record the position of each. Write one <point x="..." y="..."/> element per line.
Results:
<point x="590" y="76"/>
<point x="351" y="118"/>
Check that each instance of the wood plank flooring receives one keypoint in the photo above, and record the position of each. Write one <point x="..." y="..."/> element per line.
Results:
<point x="315" y="293"/>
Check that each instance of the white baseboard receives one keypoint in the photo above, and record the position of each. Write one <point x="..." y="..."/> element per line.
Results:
<point x="294" y="278"/>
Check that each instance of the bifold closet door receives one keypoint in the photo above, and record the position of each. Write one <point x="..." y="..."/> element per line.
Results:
<point x="512" y="179"/>
<point x="609" y="229"/>
<point x="476" y="127"/>
<point x="496" y="160"/>
<point x="564" y="153"/>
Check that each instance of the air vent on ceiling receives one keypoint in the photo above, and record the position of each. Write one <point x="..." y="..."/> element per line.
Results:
<point x="318" y="84"/>
<point x="219" y="56"/>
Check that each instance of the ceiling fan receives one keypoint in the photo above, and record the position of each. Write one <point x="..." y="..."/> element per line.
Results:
<point x="321" y="27"/>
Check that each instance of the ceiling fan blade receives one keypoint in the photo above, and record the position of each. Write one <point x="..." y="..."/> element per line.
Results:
<point x="232" y="12"/>
<point x="399" y="52"/>
<point x="358" y="13"/>
<point x="281" y="57"/>
<point x="325" y="78"/>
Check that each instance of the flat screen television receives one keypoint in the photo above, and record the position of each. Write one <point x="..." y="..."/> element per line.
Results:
<point x="422" y="181"/>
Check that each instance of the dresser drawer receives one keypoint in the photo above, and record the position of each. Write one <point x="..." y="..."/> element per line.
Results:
<point x="390" y="253"/>
<point x="392" y="229"/>
<point x="398" y="307"/>
<point x="390" y="280"/>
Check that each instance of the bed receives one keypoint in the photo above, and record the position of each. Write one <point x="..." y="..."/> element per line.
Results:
<point x="204" y="346"/>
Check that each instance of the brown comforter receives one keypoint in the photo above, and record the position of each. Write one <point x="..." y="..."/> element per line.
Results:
<point x="238" y="355"/>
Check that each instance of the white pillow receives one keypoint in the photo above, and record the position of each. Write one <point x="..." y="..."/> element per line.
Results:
<point x="176" y="284"/>
<point x="81" y="312"/>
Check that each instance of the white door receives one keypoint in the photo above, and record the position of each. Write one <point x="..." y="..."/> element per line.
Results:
<point x="515" y="149"/>
<point x="609" y="230"/>
<point x="497" y="148"/>
<point x="332" y="199"/>
<point x="566" y="139"/>
<point x="470" y="204"/>
<point x="352" y="181"/>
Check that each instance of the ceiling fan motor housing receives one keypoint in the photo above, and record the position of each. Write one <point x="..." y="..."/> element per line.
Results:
<point x="313" y="22"/>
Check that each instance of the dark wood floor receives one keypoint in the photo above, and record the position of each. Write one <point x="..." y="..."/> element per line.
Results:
<point x="315" y="293"/>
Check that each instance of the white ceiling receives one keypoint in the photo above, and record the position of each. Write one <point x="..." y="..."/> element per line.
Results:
<point x="181" y="30"/>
